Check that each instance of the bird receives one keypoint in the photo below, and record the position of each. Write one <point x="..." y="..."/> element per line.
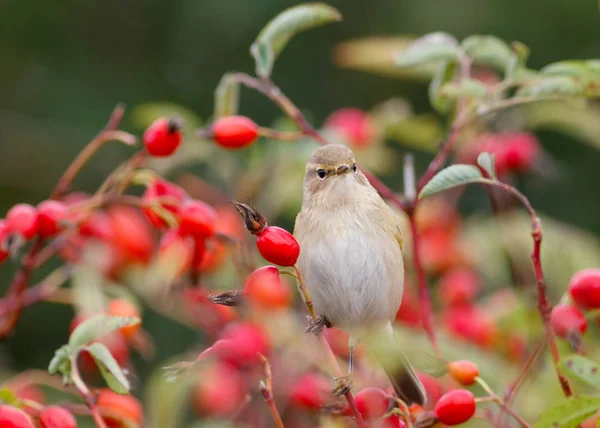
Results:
<point x="351" y="255"/>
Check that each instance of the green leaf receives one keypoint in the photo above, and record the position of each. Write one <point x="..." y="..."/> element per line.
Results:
<point x="518" y="60"/>
<point x="488" y="50"/>
<point x="577" y="69"/>
<point x="553" y="85"/>
<point x="444" y="74"/>
<point x="109" y="368"/>
<point x="264" y="57"/>
<point x="227" y="96"/>
<point x="453" y="176"/>
<point x="470" y="88"/>
<point x="431" y="47"/>
<point x="61" y="363"/>
<point x="278" y="32"/>
<point x="569" y="413"/>
<point x="487" y="161"/>
<point x="98" y="326"/>
<point x="8" y="397"/>
<point x="583" y="369"/>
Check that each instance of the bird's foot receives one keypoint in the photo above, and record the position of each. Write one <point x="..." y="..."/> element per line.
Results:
<point x="342" y="385"/>
<point x="316" y="326"/>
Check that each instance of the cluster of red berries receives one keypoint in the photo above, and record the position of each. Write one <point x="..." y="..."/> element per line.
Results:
<point x="513" y="151"/>
<point x="568" y="320"/>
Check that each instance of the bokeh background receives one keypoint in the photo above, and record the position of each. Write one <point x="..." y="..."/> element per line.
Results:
<point x="65" y="65"/>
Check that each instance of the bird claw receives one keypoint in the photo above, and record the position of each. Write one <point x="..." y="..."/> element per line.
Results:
<point x="316" y="326"/>
<point x="342" y="385"/>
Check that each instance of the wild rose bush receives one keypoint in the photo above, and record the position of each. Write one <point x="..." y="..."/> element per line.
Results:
<point x="499" y="326"/>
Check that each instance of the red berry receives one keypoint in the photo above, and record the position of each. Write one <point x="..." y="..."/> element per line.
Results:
<point x="432" y="386"/>
<point x="177" y="251"/>
<point x="568" y="319"/>
<point x="354" y="124"/>
<point x="392" y="421"/>
<point x="264" y="288"/>
<point x="11" y="417"/>
<point x="57" y="417"/>
<point x="234" y="132"/>
<point x="220" y="391"/>
<point x="116" y="408"/>
<point x="585" y="288"/>
<point x="173" y="195"/>
<point x="197" y="219"/>
<point x="520" y="151"/>
<point x="132" y="238"/>
<point x="50" y="214"/>
<point x="241" y="345"/>
<point x="311" y="392"/>
<point x="372" y="403"/>
<point x="473" y="324"/>
<point x="463" y="371"/>
<point x="163" y="137"/>
<point x="458" y="287"/>
<point x="455" y="407"/>
<point x="124" y="308"/>
<point x="22" y="218"/>
<point x="278" y="246"/>
<point x="4" y="233"/>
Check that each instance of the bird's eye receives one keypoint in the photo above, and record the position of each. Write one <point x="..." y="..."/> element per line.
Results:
<point x="321" y="173"/>
<point x="354" y="167"/>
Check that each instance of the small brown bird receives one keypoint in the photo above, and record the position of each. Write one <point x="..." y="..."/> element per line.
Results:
<point x="351" y="255"/>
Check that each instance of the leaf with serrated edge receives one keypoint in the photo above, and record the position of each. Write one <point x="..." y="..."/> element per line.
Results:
<point x="98" y="326"/>
<point x="109" y="368"/>
<point x="453" y="176"/>
<point x="583" y="369"/>
<point x="227" y="96"/>
<point x="488" y="162"/>
<point x="278" y="32"/>
<point x="569" y="413"/>
<point x="431" y="47"/>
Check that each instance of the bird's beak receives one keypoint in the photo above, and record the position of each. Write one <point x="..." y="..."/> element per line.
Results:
<point x="342" y="169"/>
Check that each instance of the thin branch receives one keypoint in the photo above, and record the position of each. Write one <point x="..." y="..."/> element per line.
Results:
<point x="501" y="403"/>
<point x="85" y="393"/>
<point x="266" y="389"/>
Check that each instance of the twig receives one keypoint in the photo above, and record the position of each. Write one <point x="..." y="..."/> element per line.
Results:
<point x="266" y="389"/>
<point x="84" y="391"/>
<point x="501" y="404"/>
<point x="544" y="305"/>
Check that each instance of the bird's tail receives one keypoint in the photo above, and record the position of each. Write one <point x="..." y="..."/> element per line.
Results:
<point x="403" y="378"/>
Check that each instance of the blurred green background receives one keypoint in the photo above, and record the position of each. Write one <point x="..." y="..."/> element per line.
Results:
<point x="66" y="64"/>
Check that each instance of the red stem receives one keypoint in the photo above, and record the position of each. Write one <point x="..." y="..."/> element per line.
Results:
<point x="544" y="306"/>
<point x="424" y="298"/>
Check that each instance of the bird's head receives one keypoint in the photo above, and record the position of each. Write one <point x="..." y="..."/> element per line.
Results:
<point x="332" y="175"/>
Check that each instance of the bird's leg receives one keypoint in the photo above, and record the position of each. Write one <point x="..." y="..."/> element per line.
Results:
<point x="343" y="384"/>
<point x="316" y="326"/>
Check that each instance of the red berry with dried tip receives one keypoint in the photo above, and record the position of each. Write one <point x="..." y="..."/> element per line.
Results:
<point x="568" y="319"/>
<point x="11" y="417"/>
<point x="172" y="193"/>
<point x="234" y="132"/>
<point x="278" y="246"/>
<point x="265" y="289"/>
<point x="163" y="137"/>
<point x="57" y="417"/>
<point x="372" y="403"/>
<point x="22" y="219"/>
<point x="197" y="219"/>
<point x="50" y="214"/>
<point x="354" y="124"/>
<point x="463" y="371"/>
<point x="585" y="288"/>
<point x="455" y="407"/>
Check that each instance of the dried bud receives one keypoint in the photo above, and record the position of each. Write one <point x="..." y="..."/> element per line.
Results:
<point x="227" y="298"/>
<point x="254" y="221"/>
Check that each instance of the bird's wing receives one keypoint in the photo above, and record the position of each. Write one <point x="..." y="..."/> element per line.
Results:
<point x="398" y="237"/>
